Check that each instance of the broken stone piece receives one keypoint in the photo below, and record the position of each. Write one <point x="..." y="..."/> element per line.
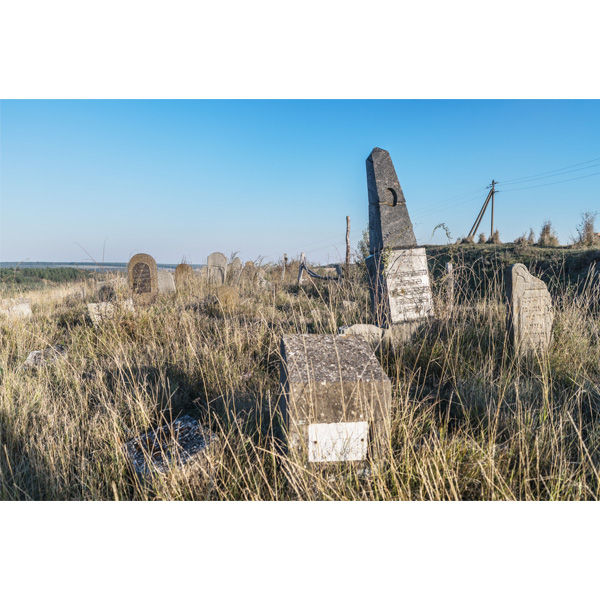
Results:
<point x="174" y="445"/>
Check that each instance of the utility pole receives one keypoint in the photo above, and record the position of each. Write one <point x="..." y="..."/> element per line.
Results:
<point x="493" y="192"/>
<point x="347" y="245"/>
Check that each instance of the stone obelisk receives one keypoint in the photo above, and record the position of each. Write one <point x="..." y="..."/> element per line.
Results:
<point x="400" y="288"/>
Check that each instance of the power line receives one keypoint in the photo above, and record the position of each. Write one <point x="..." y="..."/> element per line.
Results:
<point x="520" y="179"/>
<point x="555" y="175"/>
<point x="552" y="183"/>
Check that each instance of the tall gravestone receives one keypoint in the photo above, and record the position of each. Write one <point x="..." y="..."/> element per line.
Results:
<point x="166" y="283"/>
<point x="530" y="313"/>
<point x="400" y="287"/>
<point x="234" y="271"/>
<point x="335" y="399"/>
<point x="184" y="274"/>
<point x="217" y="268"/>
<point x="143" y="277"/>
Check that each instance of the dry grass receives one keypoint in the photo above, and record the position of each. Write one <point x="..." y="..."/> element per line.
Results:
<point x="470" y="421"/>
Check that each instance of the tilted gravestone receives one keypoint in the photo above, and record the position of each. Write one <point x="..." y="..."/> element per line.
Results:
<point x="530" y="312"/>
<point x="217" y="268"/>
<point x="334" y="399"/>
<point x="234" y="271"/>
<point x="143" y="277"/>
<point x="184" y="275"/>
<point x="166" y="283"/>
<point x="400" y="287"/>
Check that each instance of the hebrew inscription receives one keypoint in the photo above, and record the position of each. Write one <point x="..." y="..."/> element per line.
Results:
<point x="530" y="312"/>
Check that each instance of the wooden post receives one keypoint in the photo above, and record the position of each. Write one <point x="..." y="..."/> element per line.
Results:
<point x="347" y="246"/>
<point x="283" y="265"/>
<point x="300" y="268"/>
<point x="450" y="286"/>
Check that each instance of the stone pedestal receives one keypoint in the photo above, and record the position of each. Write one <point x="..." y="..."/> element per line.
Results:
<point x="400" y="287"/>
<point x="335" y="399"/>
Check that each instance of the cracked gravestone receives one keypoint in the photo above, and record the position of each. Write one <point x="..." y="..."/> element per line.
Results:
<point x="334" y="398"/>
<point x="530" y="313"/>
<point x="143" y="277"/>
<point x="399" y="276"/>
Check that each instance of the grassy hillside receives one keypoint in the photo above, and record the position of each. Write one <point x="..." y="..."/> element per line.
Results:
<point x="469" y="419"/>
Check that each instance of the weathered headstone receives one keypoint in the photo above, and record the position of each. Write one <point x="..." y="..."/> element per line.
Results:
<point x="248" y="276"/>
<point x="166" y="283"/>
<point x="400" y="287"/>
<point x="234" y="271"/>
<point x="105" y="311"/>
<point x="184" y="275"/>
<point x="530" y="312"/>
<point x="217" y="268"/>
<point x="335" y="398"/>
<point x="143" y="277"/>
<point x="175" y="445"/>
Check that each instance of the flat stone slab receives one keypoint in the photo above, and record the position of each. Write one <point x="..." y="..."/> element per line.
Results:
<point x="15" y="309"/>
<point x="333" y="394"/>
<point x="106" y="311"/>
<point x="38" y="358"/>
<point x="530" y="313"/>
<point x="175" y="445"/>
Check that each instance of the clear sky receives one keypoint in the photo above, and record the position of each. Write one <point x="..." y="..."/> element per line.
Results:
<point x="187" y="178"/>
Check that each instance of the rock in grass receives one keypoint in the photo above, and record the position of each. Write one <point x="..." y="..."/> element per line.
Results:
<point x="38" y="358"/>
<point x="174" y="445"/>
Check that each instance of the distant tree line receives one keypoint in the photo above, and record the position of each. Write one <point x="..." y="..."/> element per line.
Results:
<point x="36" y="278"/>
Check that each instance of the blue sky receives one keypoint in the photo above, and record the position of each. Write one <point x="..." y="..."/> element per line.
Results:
<point x="187" y="178"/>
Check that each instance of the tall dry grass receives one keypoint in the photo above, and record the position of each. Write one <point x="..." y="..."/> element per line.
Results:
<point x="469" y="419"/>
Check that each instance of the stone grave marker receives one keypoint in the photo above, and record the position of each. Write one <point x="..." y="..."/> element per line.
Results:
<point x="217" y="268"/>
<point x="166" y="283"/>
<point x="334" y="398"/>
<point x="400" y="286"/>
<point x="143" y="277"/>
<point x="530" y="313"/>
<point x="234" y="271"/>
<point x="39" y="358"/>
<point x="184" y="275"/>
